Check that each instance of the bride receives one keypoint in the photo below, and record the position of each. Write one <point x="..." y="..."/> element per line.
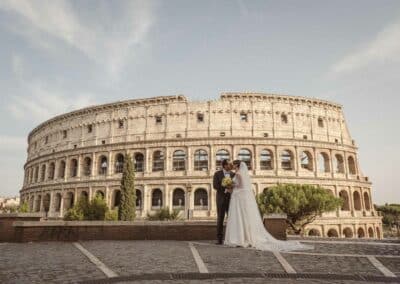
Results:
<point x="244" y="226"/>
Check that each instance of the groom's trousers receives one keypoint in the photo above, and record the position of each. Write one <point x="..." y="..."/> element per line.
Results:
<point x="222" y="210"/>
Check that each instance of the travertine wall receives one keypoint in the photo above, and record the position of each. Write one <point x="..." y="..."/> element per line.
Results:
<point x="312" y="133"/>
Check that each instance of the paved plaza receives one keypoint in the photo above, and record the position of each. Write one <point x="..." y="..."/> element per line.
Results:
<point x="197" y="262"/>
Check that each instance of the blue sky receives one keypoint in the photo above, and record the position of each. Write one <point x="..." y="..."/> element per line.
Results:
<point x="58" y="56"/>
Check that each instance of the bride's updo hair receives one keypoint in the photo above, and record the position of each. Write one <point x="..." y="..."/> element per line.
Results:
<point x="237" y="163"/>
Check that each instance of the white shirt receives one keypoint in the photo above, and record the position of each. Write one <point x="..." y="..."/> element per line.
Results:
<point x="227" y="174"/>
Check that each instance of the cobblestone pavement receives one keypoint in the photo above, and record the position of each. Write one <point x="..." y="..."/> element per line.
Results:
<point x="180" y="262"/>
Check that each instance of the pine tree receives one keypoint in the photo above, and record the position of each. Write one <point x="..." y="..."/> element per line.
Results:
<point x="127" y="207"/>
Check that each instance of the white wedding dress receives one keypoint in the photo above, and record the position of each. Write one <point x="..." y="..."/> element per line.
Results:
<point x="245" y="227"/>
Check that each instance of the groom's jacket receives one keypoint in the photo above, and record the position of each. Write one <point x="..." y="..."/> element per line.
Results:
<point x="217" y="181"/>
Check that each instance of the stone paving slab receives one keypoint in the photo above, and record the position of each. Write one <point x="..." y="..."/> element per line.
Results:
<point x="44" y="263"/>
<point x="331" y="264"/>
<point x="227" y="259"/>
<point x="249" y="281"/>
<point x="132" y="257"/>
<point x="369" y="249"/>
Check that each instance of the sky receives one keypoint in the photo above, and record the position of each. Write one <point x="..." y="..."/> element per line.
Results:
<point x="58" y="56"/>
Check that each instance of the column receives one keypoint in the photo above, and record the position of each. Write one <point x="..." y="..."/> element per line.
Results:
<point x="147" y="161"/>
<point x="110" y="164"/>
<point x="62" y="204"/>
<point x="94" y="163"/>
<point x="145" y="199"/>
<point x="315" y="162"/>
<point x="276" y="157"/>
<point x="296" y="161"/>
<point x="79" y="166"/>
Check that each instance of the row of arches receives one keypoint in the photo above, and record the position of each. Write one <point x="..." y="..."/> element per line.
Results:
<point x="200" y="163"/>
<point x="347" y="232"/>
<point x="343" y="194"/>
<point x="179" y="200"/>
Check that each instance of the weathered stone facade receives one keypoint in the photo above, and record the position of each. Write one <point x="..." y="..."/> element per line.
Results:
<point x="176" y="145"/>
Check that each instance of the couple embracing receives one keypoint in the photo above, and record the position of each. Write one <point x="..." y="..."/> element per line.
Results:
<point x="244" y="227"/>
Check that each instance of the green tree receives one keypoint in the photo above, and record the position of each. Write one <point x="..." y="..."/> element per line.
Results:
<point x="391" y="216"/>
<point x="301" y="203"/>
<point x="127" y="207"/>
<point x="97" y="209"/>
<point x="23" y="208"/>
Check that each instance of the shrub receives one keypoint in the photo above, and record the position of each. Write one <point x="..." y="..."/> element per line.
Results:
<point x="73" y="214"/>
<point x="111" y="215"/>
<point x="97" y="209"/>
<point x="23" y="208"/>
<point x="164" y="214"/>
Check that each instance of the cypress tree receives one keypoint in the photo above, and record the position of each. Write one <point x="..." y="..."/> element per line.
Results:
<point x="127" y="207"/>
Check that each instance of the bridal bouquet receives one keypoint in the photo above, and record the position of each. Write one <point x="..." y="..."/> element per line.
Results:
<point x="227" y="182"/>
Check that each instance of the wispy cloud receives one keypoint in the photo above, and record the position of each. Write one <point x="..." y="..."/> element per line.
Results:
<point x="385" y="47"/>
<point x="111" y="42"/>
<point x="44" y="102"/>
<point x="12" y="142"/>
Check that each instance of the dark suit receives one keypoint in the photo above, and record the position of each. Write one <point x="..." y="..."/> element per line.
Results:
<point x="222" y="202"/>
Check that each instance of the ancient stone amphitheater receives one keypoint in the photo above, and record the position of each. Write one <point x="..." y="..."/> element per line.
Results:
<point x="177" y="145"/>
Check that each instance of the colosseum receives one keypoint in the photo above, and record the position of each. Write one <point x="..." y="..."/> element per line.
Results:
<point x="177" y="145"/>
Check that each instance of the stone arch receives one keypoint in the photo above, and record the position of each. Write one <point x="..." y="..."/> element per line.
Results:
<point x="332" y="233"/>
<point x="314" y="233"/>
<point x="37" y="174"/>
<point x="52" y="170"/>
<point x="370" y="232"/>
<point x="266" y="160"/>
<point x="38" y="201"/>
<point x="32" y="204"/>
<point x="338" y="164"/>
<point x="103" y="165"/>
<point x="156" y="198"/>
<point x="200" y="160"/>
<point x="73" y="168"/>
<point x="119" y="163"/>
<point x="287" y="160"/>
<point x="201" y="199"/>
<point x="84" y="195"/>
<point x="61" y="169"/>
<point x="323" y="163"/>
<point x="366" y="201"/>
<point x="179" y="160"/>
<point x="69" y="200"/>
<point x="46" y="202"/>
<point x="158" y="161"/>
<point x="87" y="167"/>
<point x="43" y="173"/>
<point x="357" y="200"/>
<point x="138" y="161"/>
<point x="57" y="202"/>
<point x="352" y="165"/>
<point x="139" y="199"/>
<point x="348" y="232"/>
<point x="245" y="156"/>
<point x="378" y="233"/>
<point x="306" y="161"/>
<point x="320" y="122"/>
<point x="346" y="201"/>
<point x="178" y="198"/>
<point x="116" y="199"/>
<point x="221" y="155"/>
<point x="360" y="233"/>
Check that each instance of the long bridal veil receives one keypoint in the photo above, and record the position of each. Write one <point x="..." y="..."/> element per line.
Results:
<point x="260" y="238"/>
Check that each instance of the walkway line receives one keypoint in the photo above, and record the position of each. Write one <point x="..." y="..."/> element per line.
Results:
<point x="341" y="255"/>
<point x="385" y="271"/>
<point x="288" y="268"/>
<point x="100" y="265"/>
<point x="348" y="242"/>
<point x="200" y="264"/>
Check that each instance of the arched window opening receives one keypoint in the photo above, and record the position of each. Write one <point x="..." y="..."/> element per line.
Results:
<point x="138" y="199"/>
<point x="366" y="201"/>
<point x="68" y="201"/>
<point x="43" y="173"/>
<point x="158" y="161"/>
<point x="357" y="200"/>
<point x="201" y="199"/>
<point x="306" y="161"/>
<point x="178" y="198"/>
<point x="178" y="160"/>
<point x="61" y="171"/>
<point x="266" y="160"/>
<point x="200" y="160"/>
<point x="287" y="160"/>
<point x="119" y="163"/>
<point x="314" y="233"/>
<point x="352" y="165"/>
<point x="345" y="198"/>
<point x="323" y="163"/>
<point x="156" y="199"/>
<point x="74" y="168"/>
<point x="360" y="233"/>
<point x="103" y="165"/>
<point x="87" y="166"/>
<point x="117" y="198"/>
<point x="370" y="232"/>
<point x="52" y="169"/>
<point x="348" y="233"/>
<point x="320" y="122"/>
<point x="338" y="164"/>
<point x="332" y="233"/>
<point x="245" y="156"/>
<point x="57" y="203"/>
<point x="138" y="162"/>
<point x="284" y="118"/>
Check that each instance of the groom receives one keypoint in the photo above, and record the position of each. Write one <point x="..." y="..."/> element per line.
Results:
<point x="223" y="196"/>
